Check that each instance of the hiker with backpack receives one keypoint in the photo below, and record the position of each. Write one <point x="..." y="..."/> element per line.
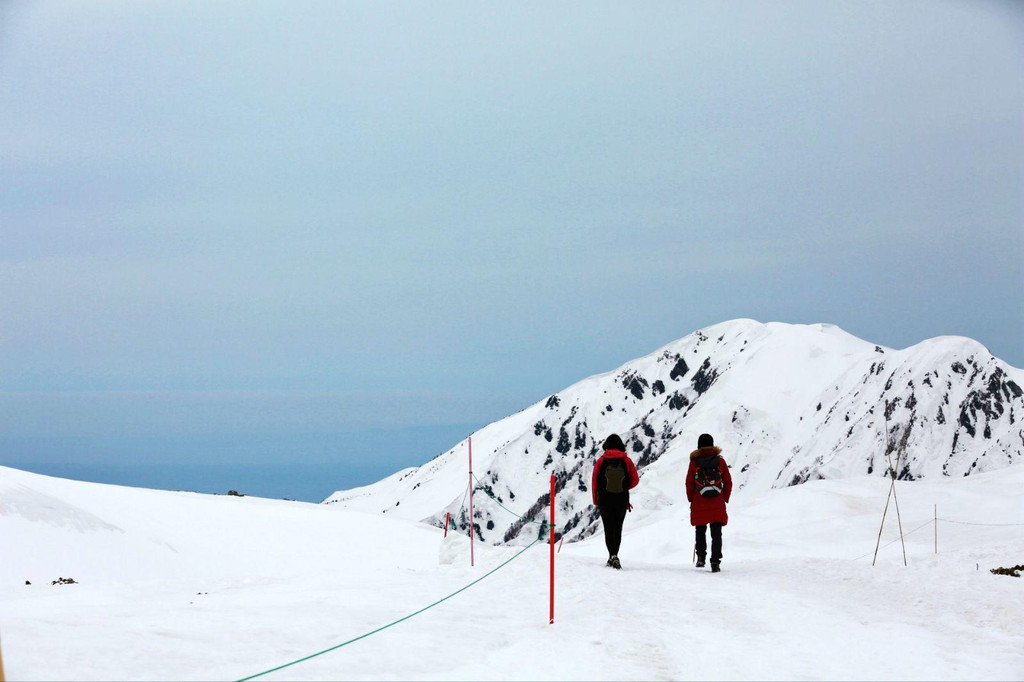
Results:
<point x="708" y="487"/>
<point x="614" y="475"/>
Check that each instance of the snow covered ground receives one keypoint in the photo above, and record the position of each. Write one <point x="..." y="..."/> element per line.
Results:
<point x="188" y="586"/>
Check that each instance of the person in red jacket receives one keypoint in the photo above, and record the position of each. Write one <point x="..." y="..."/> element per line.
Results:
<point x="708" y="487"/>
<point x="614" y="475"/>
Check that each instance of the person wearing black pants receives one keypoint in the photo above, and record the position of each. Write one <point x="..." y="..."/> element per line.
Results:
<point x="716" y="543"/>
<point x="614" y="475"/>
<point x="613" y="514"/>
<point x="708" y="488"/>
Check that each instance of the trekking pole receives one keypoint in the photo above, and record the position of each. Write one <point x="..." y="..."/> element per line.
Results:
<point x="694" y="559"/>
<point x="447" y="516"/>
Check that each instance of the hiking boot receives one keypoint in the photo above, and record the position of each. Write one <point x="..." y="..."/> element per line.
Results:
<point x="614" y="562"/>
<point x="609" y="562"/>
<point x="700" y="562"/>
<point x="715" y="568"/>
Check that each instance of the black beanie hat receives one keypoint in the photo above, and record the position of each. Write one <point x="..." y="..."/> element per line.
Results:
<point x="613" y="442"/>
<point x="705" y="441"/>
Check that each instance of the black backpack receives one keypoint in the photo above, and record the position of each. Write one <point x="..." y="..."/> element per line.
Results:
<point x="708" y="477"/>
<point x="615" y="476"/>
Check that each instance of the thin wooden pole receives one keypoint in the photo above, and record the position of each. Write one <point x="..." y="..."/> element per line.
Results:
<point x="884" y="512"/>
<point x="472" y="531"/>
<point x="551" y="544"/>
<point x="447" y="516"/>
<point x="891" y="484"/>
<point x="899" y="520"/>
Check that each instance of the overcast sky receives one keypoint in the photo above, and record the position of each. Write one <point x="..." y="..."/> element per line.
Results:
<point x="293" y="220"/>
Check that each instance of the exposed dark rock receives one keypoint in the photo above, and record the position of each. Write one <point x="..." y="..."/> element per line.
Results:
<point x="704" y="378"/>
<point x="563" y="441"/>
<point x="650" y="455"/>
<point x="966" y="422"/>
<point x="679" y="371"/>
<point x="572" y="415"/>
<point x="635" y="385"/>
<point x="890" y="407"/>
<point x="581" y="437"/>
<point x="677" y="402"/>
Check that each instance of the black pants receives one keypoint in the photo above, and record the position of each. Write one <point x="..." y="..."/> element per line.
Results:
<point x="716" y="542"/>
<point x="613" y="513"/>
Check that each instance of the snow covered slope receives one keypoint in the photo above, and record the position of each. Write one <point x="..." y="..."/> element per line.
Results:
<point x="787" y="403"/>
<point x="198" y="587"/>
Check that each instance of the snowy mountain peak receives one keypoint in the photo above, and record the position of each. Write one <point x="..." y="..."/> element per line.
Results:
<point x="787" y="403"/>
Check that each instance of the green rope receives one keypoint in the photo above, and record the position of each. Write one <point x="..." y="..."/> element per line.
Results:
<point x="483" y="488"/>
<point x="969" y="523"/>
<point x="926" y="523"/>
<point x="384" y="627"/>
<point x="462" y="507"/>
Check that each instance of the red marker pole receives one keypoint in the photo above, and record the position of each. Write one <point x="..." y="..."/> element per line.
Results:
<point x="551" y="544"/>
<point x="471" y="558"/>
<point x="446" y="517"/>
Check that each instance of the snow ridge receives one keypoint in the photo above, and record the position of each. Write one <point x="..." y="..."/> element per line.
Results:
<point x="787" y="403"/>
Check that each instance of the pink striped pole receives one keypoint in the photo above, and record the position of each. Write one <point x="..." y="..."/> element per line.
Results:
<point x="471" y="558"/>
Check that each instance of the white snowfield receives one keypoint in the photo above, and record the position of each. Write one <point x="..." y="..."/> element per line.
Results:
<point x="197" y="587"/>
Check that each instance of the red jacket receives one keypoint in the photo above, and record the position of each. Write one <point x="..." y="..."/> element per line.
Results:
<point x="705" y="510"/>
<point x="632" y="477"/>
